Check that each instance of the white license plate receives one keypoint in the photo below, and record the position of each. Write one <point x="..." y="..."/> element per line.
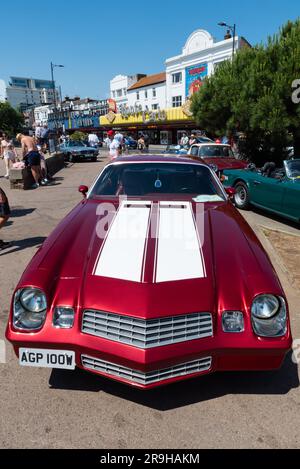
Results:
<point x="60" y="359"/>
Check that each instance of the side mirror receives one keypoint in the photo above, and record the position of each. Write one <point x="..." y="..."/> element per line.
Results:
<point x="230" y="191"/>
<point x="83" y="190"/>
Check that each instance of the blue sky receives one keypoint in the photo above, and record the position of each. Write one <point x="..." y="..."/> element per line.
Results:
<point x="96" y="40"/>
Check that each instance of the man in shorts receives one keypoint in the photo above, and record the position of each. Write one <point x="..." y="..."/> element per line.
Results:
<point x="31" y="157"/>
<point x="4" y="216"/>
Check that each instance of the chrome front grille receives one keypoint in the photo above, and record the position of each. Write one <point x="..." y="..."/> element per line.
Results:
<point x="146" y="334"/>
<point x="151" y="377"/>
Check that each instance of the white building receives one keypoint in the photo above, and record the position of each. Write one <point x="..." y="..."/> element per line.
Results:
<point x="199" y="58"/>
<point x="41" y="114"/>
<point x="149" y="93"/>
<point x="25" y="92"/>
<point x="119" y="86"/>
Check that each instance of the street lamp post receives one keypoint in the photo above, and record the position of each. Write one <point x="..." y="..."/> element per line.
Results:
<point x="233" y="30"/>
<point x="54" y="93"/>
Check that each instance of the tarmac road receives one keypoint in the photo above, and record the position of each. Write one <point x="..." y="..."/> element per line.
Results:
<point x="44" y="409"/>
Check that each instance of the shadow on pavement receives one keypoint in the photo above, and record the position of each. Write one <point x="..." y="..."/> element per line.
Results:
<point x="23" y="244"/>
<point x="274" y="217"/>
<point x="187" y="392"/>
<point x="21" y="212"/>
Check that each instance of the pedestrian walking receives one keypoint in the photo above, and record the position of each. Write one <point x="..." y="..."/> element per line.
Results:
<point x="31" y="157"/>
<point x="4" y="216"/>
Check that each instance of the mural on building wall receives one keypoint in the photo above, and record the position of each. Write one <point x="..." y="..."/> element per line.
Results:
<point x="194" y="78"/>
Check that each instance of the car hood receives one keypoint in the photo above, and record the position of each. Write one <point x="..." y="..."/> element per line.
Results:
<point x="226" y="163"/>
<point x="226" y="270"/>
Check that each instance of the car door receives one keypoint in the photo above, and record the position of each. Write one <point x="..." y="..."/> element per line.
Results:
<point x="291" y="199"/>
<point x="267" y="192"/>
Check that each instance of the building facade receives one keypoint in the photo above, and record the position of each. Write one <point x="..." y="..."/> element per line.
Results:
<point x="149" y="93"/>
<point x="119" y="86"/>
<point x="26" y="92"/>
<point x="200" y="56"/>
<point x="160" y="104"/>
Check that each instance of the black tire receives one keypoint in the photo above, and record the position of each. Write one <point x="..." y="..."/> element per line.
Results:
<point x="242" y="196"/>
<point x="94" y="159"/>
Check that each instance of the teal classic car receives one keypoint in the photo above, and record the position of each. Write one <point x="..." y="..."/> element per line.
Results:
<point x="274" y="189"/>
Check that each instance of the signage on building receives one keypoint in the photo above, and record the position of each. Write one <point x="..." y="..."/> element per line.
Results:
<point x="195" y="76"/>
<point x="146" y="114"/>
<point x="112" y="105"/>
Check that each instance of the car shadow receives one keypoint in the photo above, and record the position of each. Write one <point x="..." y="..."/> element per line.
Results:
<point x="21" y="212"/>
<point x="185" y="393"/>
<point x="276" y="218"/>
<point x="23" y="244"/>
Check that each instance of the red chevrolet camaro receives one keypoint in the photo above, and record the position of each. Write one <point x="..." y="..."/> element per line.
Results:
<point x="153" y="278"/>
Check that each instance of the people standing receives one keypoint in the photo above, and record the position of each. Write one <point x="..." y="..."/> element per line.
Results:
<point x="44" y="135"/>
<point x="141" y="143"/>
<point x="93" y="140"/>
<point x="113" y="145"/>
<point x="4" y="216"/>
<point x="193" y="140"/>
<point x="147" y="142"/>
<point x="184" y="140"/>
<point x="44" y="170"/>
<point x="31" y="157"/>
<point x="10" y="156"/>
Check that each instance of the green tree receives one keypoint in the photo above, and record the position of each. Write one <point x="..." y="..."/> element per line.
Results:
<point x="254" y="95"/>
<point x="78" y="136"/>
<point x="11" y="121"/>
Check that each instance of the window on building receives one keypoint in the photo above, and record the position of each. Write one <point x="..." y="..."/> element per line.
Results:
<point x="154" y="92"/>
<point x="146" y="94"/>
<point x="114" y="94"/>
<point x="154" y="107"/>
<point x="138" y="95"/>
<point x="177" y="101"/>
<point x="177" y="78"/>
<point x="125" y="92"/>
<point x="119" y="93"/>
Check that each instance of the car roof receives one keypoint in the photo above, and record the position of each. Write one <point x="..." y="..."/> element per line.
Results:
<point x="156" y="159"/>
<point x="204" y="144"/>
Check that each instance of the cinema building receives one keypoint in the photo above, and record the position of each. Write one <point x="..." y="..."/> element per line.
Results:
<point x="159" y="104"/>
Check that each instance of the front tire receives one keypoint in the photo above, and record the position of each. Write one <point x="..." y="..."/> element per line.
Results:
<point x="242" y="196"/>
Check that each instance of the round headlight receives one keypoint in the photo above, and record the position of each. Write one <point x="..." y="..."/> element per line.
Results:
<point x="33" y="300"/>
<point x="265" y="307"/>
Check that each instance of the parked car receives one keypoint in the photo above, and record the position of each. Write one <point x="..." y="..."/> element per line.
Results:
<point x="177" y="150"/>
<point x="276" y="190"/>
<point x="74" y="151"/>
<point x="130" y="143"/>
<point x="219" y="156"/>
<point x="153" y="278"/>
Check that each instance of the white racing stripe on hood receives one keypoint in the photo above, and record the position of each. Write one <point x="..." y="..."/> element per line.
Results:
<point x="124" y="248"/>
<point x="179" y="254"/>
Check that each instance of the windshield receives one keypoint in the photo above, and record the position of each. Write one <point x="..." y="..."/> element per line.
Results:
<point x="216" y="151"/>
<point x="76" y="144"/>
<point x="293" y="169"/>
<point x="144" y="179"/>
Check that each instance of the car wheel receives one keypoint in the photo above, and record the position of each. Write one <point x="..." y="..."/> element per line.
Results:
<point x="242" y="197"/>
<point x="95" y="159"/>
